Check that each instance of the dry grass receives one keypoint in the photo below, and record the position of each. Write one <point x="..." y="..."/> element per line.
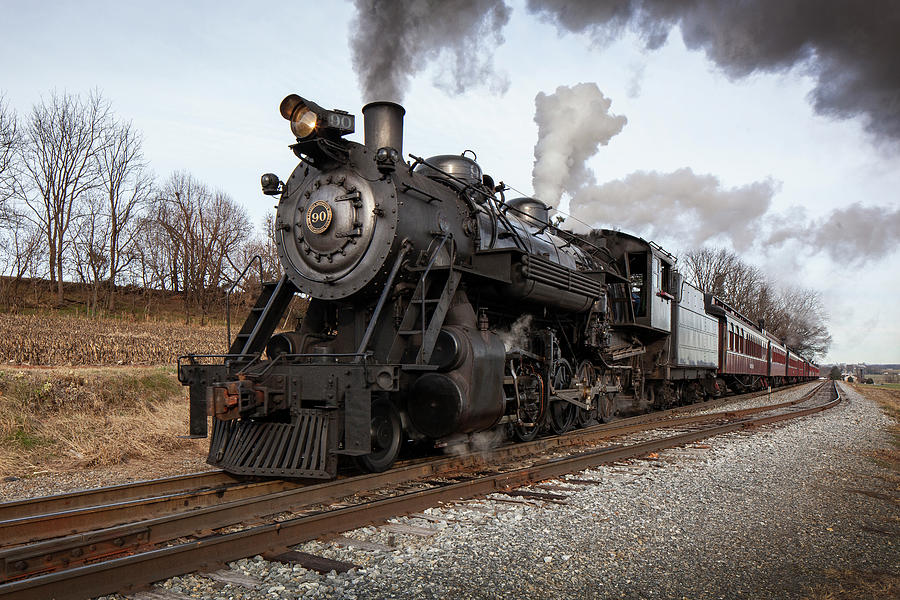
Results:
<point x="60" y="419"/>
<point x="60" y="339"/>
<point x="889" y="400"/>
<point x="856" y="585"/>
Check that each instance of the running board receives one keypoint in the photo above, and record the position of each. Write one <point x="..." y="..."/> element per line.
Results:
<point x="303" y="449"/>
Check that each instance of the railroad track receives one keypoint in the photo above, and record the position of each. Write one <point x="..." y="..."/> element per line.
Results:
<point x="50" y="517"/>
<point x="144" y="537"/>
<point x="65" y="514"/>
<point x="214" y="487"/>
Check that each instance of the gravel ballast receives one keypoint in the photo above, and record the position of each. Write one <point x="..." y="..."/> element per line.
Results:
<point x="762" y="514"/>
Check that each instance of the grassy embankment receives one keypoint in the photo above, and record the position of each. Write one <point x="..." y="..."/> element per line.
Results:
<point x="79" y="391"/>
<point x="58" y="418"/>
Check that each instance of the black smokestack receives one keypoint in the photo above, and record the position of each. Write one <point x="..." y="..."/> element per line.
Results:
<point x="851" y="49"/>
<point x="384" y="125"/>
<point x="392" y="40"/>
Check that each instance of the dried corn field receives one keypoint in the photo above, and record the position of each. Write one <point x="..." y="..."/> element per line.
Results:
<point x="66" y="340"/>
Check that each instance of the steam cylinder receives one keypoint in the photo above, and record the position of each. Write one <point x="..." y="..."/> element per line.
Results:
<point x="467" y="398"/>
<point x="465" y="394"/>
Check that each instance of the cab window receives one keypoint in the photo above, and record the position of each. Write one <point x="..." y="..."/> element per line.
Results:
<point x="637" y="275"/>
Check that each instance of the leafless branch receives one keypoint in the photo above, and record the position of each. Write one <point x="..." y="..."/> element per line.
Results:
<point x="794" y="315"/>
<point x="62" y="139"/>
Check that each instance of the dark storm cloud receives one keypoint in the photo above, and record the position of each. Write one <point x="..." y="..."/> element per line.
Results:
<point x="852" y="235"/>
<point x="393" y="40"/>
<point x="851" y="49"/>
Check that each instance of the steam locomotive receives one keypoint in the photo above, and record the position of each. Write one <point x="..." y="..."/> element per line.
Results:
<point x="439" y="308"/>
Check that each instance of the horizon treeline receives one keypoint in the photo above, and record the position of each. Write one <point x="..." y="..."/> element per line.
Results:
<point x="79" y="202"/>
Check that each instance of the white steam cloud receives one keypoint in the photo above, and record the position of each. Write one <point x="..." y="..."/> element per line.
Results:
<point x="696" y="208"/>
<point x="573" y="123"/>
<point x="516" y="338"/>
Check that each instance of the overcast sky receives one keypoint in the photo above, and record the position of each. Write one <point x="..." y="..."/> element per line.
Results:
<point x="203" y="80"/>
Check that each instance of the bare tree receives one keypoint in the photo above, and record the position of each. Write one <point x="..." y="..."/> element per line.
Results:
<point x="91" y="252"/>
<point x="268" y="251"/>
<point x="175" y="211"/>
<point x="158" y="256"/>
<point x="21" y="250"/>
<point x="19" y="246"/>
<point x="801" y="321"/>
<point x="224" y="230"/>
<point x="127" y="185"/>
<point x="205" y="232"/>
<point x="10" y="147"/>
<point x="794" y="315"/>
<point x="264" y="247"/>
<point x="702" y="267"/>
<point x="62" y="138"/>
<point x="722" y="273"/>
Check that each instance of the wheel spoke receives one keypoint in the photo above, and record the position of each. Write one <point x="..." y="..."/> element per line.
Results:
<point x="562" y="414"/>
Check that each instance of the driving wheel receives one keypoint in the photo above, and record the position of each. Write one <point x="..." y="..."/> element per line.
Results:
<point x="531" y="408"/>
<point x="562" y="413"/>
<point x="387" y="437"/>
<point x="585" y="375"/>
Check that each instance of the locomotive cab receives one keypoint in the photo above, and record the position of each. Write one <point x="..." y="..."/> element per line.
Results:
<point x="645" y="300"/>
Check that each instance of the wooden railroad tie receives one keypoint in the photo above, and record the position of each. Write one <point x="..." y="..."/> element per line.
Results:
<point x="234" y="578"/>
<point x="546" y="496"/>
<point x="312" y="562"/>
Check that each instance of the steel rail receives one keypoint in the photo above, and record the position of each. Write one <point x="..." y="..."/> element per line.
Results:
<point x="56" y="524"/>
<point x="662" y="415"/>
<point x="118" y="537"/>
<point x="131" y="572"/>
<point x="112" y="494"/>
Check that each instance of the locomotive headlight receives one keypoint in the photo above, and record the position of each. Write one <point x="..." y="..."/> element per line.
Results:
<point x="303" y="122"/>
<point x="301" y="113"/>
<point x="307" y="117"/>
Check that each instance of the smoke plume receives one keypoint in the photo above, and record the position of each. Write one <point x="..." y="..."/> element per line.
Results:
<point x="516" y="337"/>
<point x="392" y="40"/>
<point x="572" y="124"/>
<point x="482" y="443"/>
<point x="695" y="208"/>
<point x="851" y="49"/>
<point x="853" y="235"/>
